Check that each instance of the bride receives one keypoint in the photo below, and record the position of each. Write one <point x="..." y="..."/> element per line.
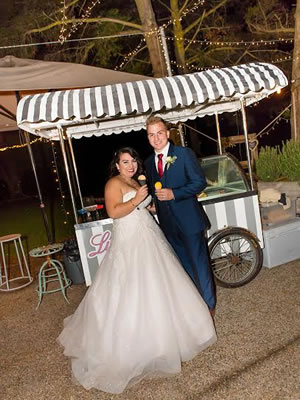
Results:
<point x="142" y="315"/>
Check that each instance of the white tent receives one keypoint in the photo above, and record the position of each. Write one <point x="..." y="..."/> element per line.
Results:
<point x="27" y="77"/>
<point x="22" y="77"/>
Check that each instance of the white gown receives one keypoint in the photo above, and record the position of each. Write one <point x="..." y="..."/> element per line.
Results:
<point x="142" y="315"/>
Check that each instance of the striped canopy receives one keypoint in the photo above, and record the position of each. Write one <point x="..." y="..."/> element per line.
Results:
<point x="125" y="107"/>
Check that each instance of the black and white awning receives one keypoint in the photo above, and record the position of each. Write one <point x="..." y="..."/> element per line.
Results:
<point x="124" y="107"/>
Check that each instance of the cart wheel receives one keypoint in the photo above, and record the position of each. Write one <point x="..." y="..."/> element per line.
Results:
<point x="236" y="257"/>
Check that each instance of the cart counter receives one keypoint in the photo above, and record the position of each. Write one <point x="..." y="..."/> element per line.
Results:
<point x="93" y="240"/>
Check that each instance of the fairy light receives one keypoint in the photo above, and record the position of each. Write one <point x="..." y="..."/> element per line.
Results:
<point x="20" y="146"/>
<point x="193" y="67"/>
<point x="273" y="123"/>
<point x="85" y="15"/>
<point x="131" y="54"/>
<point x="156" y="31"/>
<point x="256" y="43"/>
<point x="61" y="37"/>
<point x="58" y="181"/>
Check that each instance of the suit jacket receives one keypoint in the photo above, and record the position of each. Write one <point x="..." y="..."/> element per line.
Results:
<point x="186" y="178"/>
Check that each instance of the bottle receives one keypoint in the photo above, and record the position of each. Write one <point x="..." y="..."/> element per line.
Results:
<point x="100" y="209"/>
<point x="82" y="216"/>
<point x="94" y="213"/>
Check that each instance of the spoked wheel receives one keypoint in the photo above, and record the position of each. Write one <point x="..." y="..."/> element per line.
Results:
<point x="236" y="257"/>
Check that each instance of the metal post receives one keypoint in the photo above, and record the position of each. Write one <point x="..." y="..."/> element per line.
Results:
<point x="75" y="169"/>
<point x="42" y="205"/>
<point x="219" y="134"/>
<point x="246" y="141"/>
<point x="63" y="150"/>
<point x="181" y="134"/>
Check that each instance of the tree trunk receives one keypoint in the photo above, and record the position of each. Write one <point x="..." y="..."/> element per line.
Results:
<point x="148" y="20"/>
<point x="179" y="35"/>
<point x="295" y="118"/>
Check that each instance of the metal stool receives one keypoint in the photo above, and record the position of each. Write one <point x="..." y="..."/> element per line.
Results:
<point x="51" y="271"/>
<point x="19" y="281"/>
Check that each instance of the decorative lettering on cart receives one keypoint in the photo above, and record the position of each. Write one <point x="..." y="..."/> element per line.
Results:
<point x="101" y="242"/>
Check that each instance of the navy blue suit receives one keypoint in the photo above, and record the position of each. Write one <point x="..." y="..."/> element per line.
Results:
<point x="183" y="220"/>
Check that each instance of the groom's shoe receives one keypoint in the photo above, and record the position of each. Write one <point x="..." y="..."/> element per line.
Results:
<point x="212" y="312"/>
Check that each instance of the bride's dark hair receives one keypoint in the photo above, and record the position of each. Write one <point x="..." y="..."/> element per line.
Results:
<point x="113" y="170"/>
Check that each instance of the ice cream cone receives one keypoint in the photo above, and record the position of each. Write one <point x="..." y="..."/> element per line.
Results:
<point x="142" y="180"/>
<point x="158" y="185"/>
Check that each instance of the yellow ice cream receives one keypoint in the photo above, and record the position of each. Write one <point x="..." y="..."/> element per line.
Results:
<point x="158" y="185"/>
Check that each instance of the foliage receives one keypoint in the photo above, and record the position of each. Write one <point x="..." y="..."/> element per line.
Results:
<point x="267" y="164"/>
<point x="274" y="164"/>
<point x="217" y="21"/>
<point x="290" y="160"/>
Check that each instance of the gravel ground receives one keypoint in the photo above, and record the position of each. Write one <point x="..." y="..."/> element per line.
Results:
<point x="256" y="357"/>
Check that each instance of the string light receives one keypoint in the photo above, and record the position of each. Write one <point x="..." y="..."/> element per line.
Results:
<point x="58" y="181"/>
<point x="20" y="146"/>
<point x="61" y="37"/>
<point x="193" y="67"/>
<point x="86" y="14"/>
<point x="156" y="31"/>
<point x="130" y="55"/>
<point x="273" y="123"/>
<point x="75" y="25"/>
<point x="256" y="43"/>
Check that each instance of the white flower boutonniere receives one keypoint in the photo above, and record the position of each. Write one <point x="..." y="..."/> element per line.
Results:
<point x="170" y="160"/>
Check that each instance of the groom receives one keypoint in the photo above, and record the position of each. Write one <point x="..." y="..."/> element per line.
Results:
<point x="181" y="217"/>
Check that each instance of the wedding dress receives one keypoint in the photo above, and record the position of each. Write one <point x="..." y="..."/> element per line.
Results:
<point x="142" y="315"/>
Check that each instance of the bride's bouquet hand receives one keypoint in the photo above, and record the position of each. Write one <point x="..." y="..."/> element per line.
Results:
<point x="141" y="194"/>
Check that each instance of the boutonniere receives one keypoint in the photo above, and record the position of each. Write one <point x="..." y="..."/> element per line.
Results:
<point x="170" y="160"/>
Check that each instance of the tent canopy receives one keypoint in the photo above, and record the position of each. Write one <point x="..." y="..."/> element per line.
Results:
<point x="35" y="76"/>
<point x="124" y="107"/>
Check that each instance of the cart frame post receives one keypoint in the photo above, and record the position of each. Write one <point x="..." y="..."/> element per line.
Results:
<point x="63" y="150"/>
<point x="219" y="134"/>
<point x="75" y="169"/>
<point x="243" y="110"/>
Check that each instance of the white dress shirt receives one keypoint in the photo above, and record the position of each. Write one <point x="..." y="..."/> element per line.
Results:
<point x="164" y="152"/>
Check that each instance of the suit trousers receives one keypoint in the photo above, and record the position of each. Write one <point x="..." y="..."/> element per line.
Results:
<point x="192" y="251"/>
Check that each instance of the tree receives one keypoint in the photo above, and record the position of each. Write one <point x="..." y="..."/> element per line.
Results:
<point x="148" y="27"/>
<point x="276" y="20"/>
<point x="295" y="121"/>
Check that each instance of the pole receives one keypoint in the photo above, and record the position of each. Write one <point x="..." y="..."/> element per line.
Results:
<point x="63" y="150"/>
<point x="219" y="134"/>
<point x="75" y="169"/>
<point x="246" y="141"/>
<point x="42" y="204"/>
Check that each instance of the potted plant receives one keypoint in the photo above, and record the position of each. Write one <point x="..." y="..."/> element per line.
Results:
<point x="280" y="169"/>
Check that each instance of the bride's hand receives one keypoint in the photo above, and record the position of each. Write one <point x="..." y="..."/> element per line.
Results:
<point x="141" y="194"/>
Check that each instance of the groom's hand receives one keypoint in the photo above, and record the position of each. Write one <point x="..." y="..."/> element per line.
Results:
<point x="164" y="194"/>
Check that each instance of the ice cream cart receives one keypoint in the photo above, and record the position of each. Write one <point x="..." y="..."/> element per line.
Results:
<point x="234" y="237"/>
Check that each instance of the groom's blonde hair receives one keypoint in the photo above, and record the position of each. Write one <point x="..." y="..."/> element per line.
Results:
<point x="154" y="119"/>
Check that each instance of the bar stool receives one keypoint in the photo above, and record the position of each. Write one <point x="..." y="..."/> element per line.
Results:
<point x="50" y="271"/>
<point x="22" y="279"/>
